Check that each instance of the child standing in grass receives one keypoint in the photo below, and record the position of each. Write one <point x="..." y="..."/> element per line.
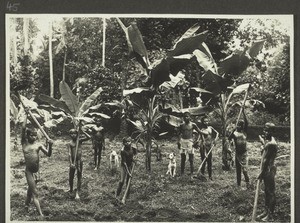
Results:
<point x="127" y="154"/>
<point x="98" y="142"/>
<point x="31" y="151"/>
<point x="75" y="160"/>
<point x="239" y="135"/>
<point x="209" y="138"/>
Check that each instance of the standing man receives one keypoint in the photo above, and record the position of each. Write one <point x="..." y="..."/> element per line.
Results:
<point x="185" y="141"/>
<point x="239" y="135"/>
<point x="31" y="150"/>
<point x="209" y="138"/>
<point x="268" y="171"/>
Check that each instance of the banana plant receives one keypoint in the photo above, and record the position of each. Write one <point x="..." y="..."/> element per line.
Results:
<point x="219" y="80"/>
<point x="177" y="57"/>
<point x="146" y="125"/>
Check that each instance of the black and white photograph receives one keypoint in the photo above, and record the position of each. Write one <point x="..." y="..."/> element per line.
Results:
<point x="149" y="117"/>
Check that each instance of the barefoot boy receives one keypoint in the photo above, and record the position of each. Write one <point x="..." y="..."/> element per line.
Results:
<point x="209" y="138"/>
<point x="75" y="164"/>
<point x="31" y="150"/>
<point x="98" y="141"/>
<point x="127" y="154"/>
<point x="239" y="135"/>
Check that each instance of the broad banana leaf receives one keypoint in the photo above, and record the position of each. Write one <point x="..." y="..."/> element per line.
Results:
<point x="54" y="102"/>
<point x="58" y="114"/>
<point x="205" y="61"/>
<point x="135" y="43"/>
<point x="173" y="82"/>
<point x="13" y="110"/>
<point x="200" y="90"/>
<point x="251" y="103"/>
<point x="53" y="122"/>
<point x="138" y="125"/>
<point x="188" y="45"/>
<point x="160" y="73"/>
<point x="88" y="102"/>
<point x="177" y="63"/>
<point x="255" y="48"/>
<point x="98" y="115"/>
<point x="215" y="83"/>
<point x="29" y="103"/>
<point x="135" y="90"/>
<point x="239" y="89"/>
<point x="84" y="119"/>
<point x="190" y="32"/>
<point x="174" y="121"/>
<point x="68" y="97"/>
<point x="201" y="110"/>
<point x="234" y="64"/>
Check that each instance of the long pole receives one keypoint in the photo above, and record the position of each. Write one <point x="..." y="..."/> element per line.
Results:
<point x="128" y="185"/>
<point x="243" y="104"/>
<point x="34" y="119"/>
<point x="205" y="158"/>
<point x="257" y="191"/>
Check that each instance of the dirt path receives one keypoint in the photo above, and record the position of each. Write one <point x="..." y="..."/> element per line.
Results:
<point x="154" y="197"/>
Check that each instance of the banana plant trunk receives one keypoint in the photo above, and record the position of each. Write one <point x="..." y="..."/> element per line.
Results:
<point x="123" y="128"/>
<point x="148" y="155"/>
<point x="225" y="143"/>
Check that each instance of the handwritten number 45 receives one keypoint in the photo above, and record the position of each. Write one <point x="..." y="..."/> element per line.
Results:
<point x="12" y="7"/>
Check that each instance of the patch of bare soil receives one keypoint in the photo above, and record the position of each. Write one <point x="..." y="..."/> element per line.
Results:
<point x="154" y="196"/>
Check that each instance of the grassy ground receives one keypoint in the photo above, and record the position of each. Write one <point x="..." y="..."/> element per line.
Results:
<point x="154" y="197"/>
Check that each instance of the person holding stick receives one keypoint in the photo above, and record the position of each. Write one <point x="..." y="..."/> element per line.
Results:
<point x="209" y="138"/>
<point x="76" y="163"/>
<point x="186" y="141"/>
<point x="268" y="171"/>
<point x="239" y="136"/>
<point x="127" y="154"/>
<point x="31" y="150"/>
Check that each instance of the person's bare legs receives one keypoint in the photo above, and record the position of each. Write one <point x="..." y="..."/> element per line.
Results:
<point x="32" y="189"/>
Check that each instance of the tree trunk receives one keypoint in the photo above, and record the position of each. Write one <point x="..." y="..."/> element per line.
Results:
<point x="103" y="46"/>
<point x="64" y="66"/>
<point x="51" y="61"/>
<point x="26" y="37"/>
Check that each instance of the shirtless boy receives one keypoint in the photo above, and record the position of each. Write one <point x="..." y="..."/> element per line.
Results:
<point x="75" y="164"/>
<point x="239" y="135"/>
<point x="185" y="141"/>
<point x="98" y="141"/>
<point x="209" y="138"/>
<point x="127" y="154"/>
<point x="31" y="150"/>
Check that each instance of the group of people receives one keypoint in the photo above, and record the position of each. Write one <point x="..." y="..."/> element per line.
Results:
<point x="31" y="149"/>
<point x="206" y="138"/>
